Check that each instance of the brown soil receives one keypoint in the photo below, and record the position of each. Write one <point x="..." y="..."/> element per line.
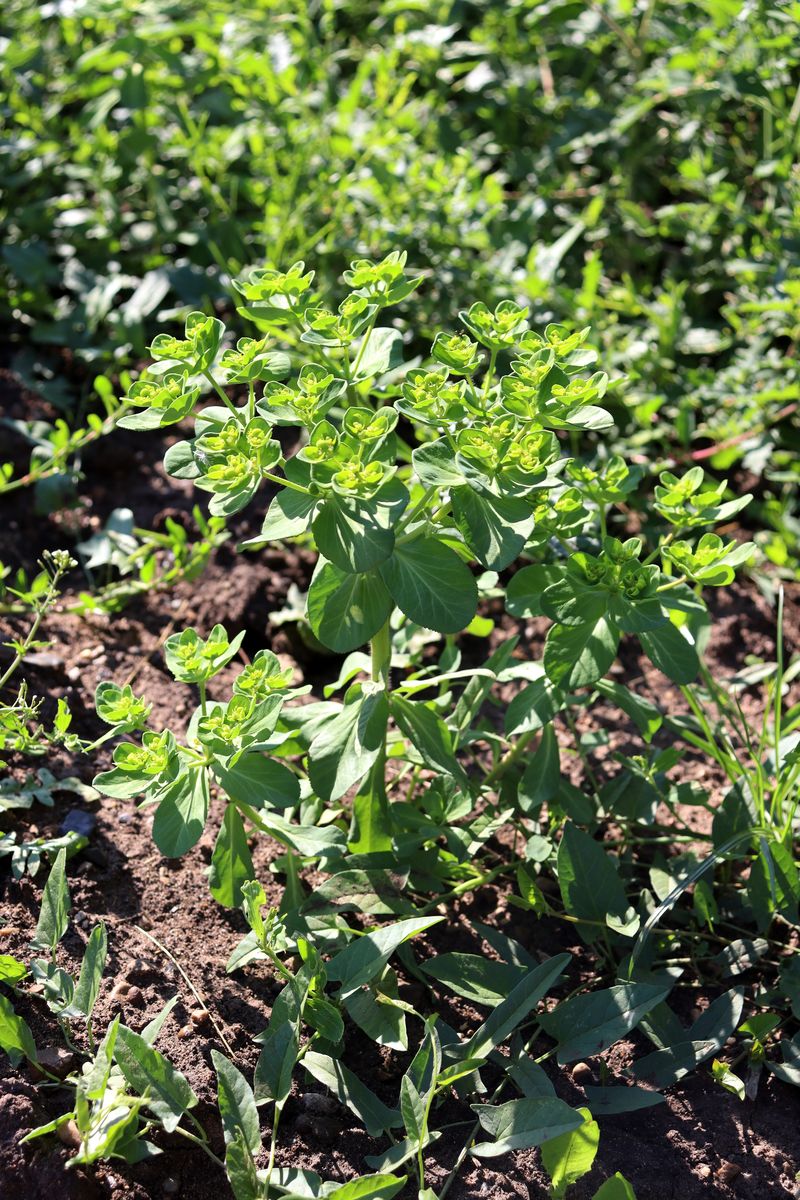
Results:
<point x="701" y="1143"/>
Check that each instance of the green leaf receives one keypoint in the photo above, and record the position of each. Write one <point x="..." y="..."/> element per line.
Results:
<point x="615" y="1188"/>
<point x="568" y="1157"/>
<point x="91" y="976"/>
<point x="97" y="1073"/>
<point x="577" y="655"/>
<point x="259" y="782"/>
<point x="590" y="1023"/>
<point x="345" y="610"/>
<point x="373" y="1010"/>
<point x="541" y="778"/>
<point x="514" y="1009"/>
<point x="11" y="970"/>
<point x="371" y="826"/>
<point x="526" y="588"/>
<point x="15" y="1035"/>
<point x="276" y="1063"/>
<point x="430" y="736"/>
<point x="528" y="1076"/>
<point x="325" y="1017"/>
<point x="412" y="1109"/>
<point x="666" y="1066"/>
<point x="436" y="466"/>
<point x="241" y="1170"/>
<point x="646" y="716"/>
<point x="289" y="514"/>
<point x="369" y="1187"/>
<point x="153" y="1028"/>
<point x="608" y="1101"/>
<point x="231" y="863"/>
<point x="774" y="885"/>
<point x="570" y="603"/>
<point x="495" y="528"/>
<point x="237" y="1104"/>
<point x="383" y="352"/>
<point x="431" y="585"/>
<point x="669" y="650"/>
<point x="316" y="841"/>
<point x="520" y="1124"/>
<point x="355" y="535"/>
<point x="589" y="882"/>
<point x="168" y="1092"/>
<point x="54" y="914"/>
<point x="367" y="955"/>
<point x="349" y="1090"/>
<point x="181" y="815"/>
<point x="706" y="1036"/>
<point x="534" y="707"/>
<point x="379" y="892"/>
<point x="476" y="978"/>
<point x="348" y="745"/>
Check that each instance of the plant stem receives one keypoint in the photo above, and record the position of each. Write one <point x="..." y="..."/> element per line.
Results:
<point x="363" y="346"/>
<point x="44" y="605"/>
<point x="381" y="650"/>
<point x="487" y="383"/>
<point x="509" y="759"/>
<point x="202" y="1143"/>
<point x="271" y="1164"/>
<point x="226" y="400"/>
<point x="284" y="482"/>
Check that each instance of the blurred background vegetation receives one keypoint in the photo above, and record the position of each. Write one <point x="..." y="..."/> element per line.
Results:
<point x="629" y="164"/>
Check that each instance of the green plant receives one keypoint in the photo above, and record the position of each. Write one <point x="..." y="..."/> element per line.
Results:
<point x="20" y="728"/>
<point x="487" y="481"/>
<point x="144" y="560"/>
<point x="125" y="1086"/>
<point x="491" y="475"/>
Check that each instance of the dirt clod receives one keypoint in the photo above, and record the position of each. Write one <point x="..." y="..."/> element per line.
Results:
<point x="581" y="1074"/>
<point x="69" y="1134"/>
<point x="728" y="1171"/>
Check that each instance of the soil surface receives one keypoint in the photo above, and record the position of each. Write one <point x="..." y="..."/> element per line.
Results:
<point x="702" y="1142"/>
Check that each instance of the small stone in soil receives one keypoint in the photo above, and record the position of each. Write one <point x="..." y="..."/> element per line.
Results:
<point x="78" y="821"/>
<point x="45" y="661"/>
<point x="704" y="1170"/>
<point x="57" y="1060"/>
<point x="322" y="1128"/>
<point x="581" y="1073"/>
<point x="199" y="1016"/>
<point x="120" y="990"/>
<point x="318" y="1102"/>
<point x="727" y="1171"/>
<point x="69" y="1134"/>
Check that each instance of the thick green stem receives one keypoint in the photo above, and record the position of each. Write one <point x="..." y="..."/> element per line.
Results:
<point x="381" y="648"/>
